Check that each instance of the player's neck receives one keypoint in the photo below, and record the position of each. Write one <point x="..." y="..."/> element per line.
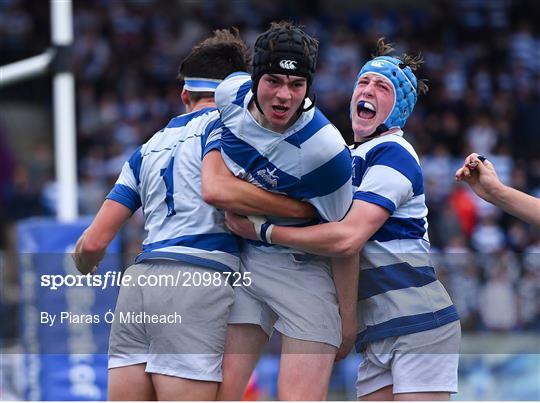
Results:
<point x="201" y="104"/>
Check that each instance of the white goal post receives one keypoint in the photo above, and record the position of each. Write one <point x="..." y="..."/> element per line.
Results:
<point x="56" y="61"/>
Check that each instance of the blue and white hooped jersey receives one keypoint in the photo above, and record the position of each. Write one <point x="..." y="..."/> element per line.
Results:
<point x="310" y="161"/>
<point x="164" y="177"/>
<point x="398" y="289"/>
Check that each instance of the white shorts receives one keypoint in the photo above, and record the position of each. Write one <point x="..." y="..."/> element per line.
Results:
<point x="192" y="349"/>
<point x="298" y="299"/>
<point x="418" y="362"/>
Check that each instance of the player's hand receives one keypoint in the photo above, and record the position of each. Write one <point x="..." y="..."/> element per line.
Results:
<point x="349" y="332"/>
<point x="82" y="265"/>
<point x="480" y="174"/>
<point x="469" y="165"/>
<point x="240" y="225"/>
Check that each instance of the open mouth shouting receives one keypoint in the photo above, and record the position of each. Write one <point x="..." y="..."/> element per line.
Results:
<point x="280" y="110"/>
<point x="365" y="110"/>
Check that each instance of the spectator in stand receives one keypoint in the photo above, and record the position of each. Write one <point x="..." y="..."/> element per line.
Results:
<point x="497" y="301"/>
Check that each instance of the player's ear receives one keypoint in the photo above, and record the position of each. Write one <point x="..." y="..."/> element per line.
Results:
<point x="186" y="100"/>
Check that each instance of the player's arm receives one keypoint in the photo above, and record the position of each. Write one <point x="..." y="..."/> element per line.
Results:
<point x="519" y="204"/>
<point x="338" y="238"/>
<point x="122" y="201"/>
<point x="93" y="243"/>
<point x="343" y="238"/>
<point x="345" y="271"/>
<point x="483" y="179"/>
<point x="222" y="189"/>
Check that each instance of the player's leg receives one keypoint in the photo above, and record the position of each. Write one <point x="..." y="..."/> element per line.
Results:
<point x="242" y="351"/>
<point x="130" y="383"/>
<point x="423" y="396"/>
<point x="186" y="352"/>
<point x="303" y="296"/>
<point x="374" y="382"/>
<point x="425" y="364"/>
<point x="174" y="388"/>
<point x="385" y="393"/>
<point x="250" y="326"/>
<point x="128" y="348"/>
<point x="305" y="369"/>
<point x="310" y="325"/>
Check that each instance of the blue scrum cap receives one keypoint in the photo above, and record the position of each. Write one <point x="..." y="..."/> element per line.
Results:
<point x="404" y="82"/>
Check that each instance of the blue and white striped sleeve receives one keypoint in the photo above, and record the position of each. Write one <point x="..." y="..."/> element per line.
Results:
<point x="326" y="182"/>
<point x="231" y="93"/>
<point x="212" y="137"/>
<point x="333" y="181"/>
<point x="392" y="177"/>
<point x="126" y="189"/>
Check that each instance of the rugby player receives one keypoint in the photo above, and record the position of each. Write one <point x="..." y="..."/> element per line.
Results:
<point x="274" y="137"/>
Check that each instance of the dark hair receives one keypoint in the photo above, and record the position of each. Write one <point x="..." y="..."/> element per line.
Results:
<point x="216" y="57"/>
<point x="284" y="40"/>
<point x="284" y="49"/>
<point x="413" y="61"/>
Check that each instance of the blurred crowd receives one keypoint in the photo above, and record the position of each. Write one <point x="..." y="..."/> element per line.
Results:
<point x="482" y="60"/>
